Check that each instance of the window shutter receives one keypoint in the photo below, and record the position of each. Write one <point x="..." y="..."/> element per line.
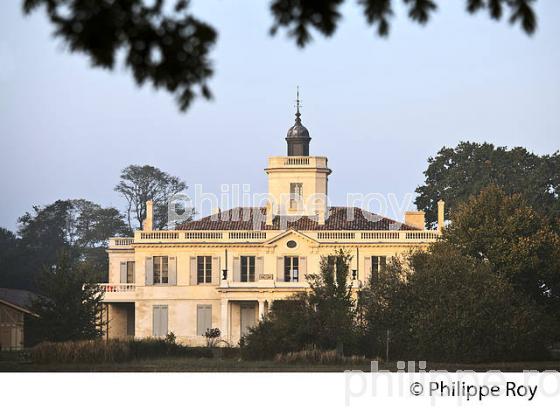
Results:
<point x="203" y="319"/>
<point x="164" y="323"/>
<point x="156" y="321"/>
<point x="280" y="269"/>
<point x="172" y="270"/>
<point x="302" y="268"/>
<point x="215" y="270"/>
<point x="193" y="272"/>
<point x="149" y="270"/>
<point x="367" y="267"/>
<point x="236" y="269"/>
<point x="259" y="267"/>
<point x="123" y="272"/>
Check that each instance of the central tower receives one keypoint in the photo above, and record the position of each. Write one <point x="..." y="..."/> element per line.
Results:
<point x="298" y="183"/>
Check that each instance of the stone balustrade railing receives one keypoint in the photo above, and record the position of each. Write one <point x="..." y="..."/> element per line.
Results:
<point x="146" y="237"/>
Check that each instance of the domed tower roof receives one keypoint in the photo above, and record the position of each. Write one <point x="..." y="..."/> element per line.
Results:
<point x="298" y="136"/>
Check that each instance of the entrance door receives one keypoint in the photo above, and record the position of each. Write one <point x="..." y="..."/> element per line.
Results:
<point x="248" y="318"/>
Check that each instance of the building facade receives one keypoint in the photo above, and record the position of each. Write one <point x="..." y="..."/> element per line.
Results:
<point x="225" y="270"/>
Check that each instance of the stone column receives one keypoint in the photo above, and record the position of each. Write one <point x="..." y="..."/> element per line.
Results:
<point x="261" y="309"/>
<point x="224" y="315"/>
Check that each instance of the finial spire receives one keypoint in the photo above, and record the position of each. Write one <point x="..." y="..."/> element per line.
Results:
<point x="298" y="105"/>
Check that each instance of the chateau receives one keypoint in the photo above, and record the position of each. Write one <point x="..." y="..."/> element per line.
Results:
<point x="225" y="270"/>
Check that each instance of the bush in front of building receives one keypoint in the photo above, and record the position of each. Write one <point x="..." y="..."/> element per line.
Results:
<point x="323" y="318"/>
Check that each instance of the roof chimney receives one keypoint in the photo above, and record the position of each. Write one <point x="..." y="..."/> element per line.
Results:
<point x="416" y="219"/>
<point x="148" y="224"/>
<point x="440" y="215"/>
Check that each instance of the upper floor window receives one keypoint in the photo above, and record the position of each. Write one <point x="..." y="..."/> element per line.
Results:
<point x="130" y="272"/>
<point x="204" y="269"/>
<point x="291" y="269"/>
<point x="161" y="269"/>
<point x="247" y="269"/>
<point x="296" y="194"/>
<point x="378" y="264"/>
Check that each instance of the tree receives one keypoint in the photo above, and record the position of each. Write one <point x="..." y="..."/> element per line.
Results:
<point x="516" y="242"/>
<point x="332" y="302"/>
<point x="69" y="306"/>
<point x="169" y="47"/>
<point x="139" y="184"/>
<point x="324" y="317"/>
<point x="76" y="226"/>
<point x="441" y="305"/>
<point x="10" y="254"/>
<point x="455" y="174"/>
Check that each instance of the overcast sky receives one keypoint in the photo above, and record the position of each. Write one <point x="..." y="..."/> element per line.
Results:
<point x="377" y="108"/>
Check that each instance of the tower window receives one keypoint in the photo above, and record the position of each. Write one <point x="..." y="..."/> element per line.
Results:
<point x="296" y="194"/>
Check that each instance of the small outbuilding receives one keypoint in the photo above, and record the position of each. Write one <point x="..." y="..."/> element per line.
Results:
<point x="15" y="305"/>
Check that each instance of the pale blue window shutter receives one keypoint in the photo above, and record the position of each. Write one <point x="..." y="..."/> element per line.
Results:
<point x="123" y="272"/>
<point x="193" y="272"/>
<point x="149" y="270"/>
<point x="236" y="269"/>
<point x="172" y="270"/>
<point x="203" y="319"/>
<point x="259" y="267"/>
<point x="164" y="321"/>
<point x="367" y="267"/>
<point x="280" y="269"/>
<point x="215" y="270"/>
<point x="302" y="268"/>
<point x="160" y="321"/>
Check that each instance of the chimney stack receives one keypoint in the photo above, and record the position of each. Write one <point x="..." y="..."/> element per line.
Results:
<point x="269" y="214"/>
<point x="440" y="215"/>
<point x="415" y="218"/>
<point x="148" y="224"/>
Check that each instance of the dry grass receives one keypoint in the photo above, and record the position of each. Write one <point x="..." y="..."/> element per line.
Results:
<point x="323" y="357"/>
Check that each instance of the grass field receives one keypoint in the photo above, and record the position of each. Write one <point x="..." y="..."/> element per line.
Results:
<point x="236" y="365"/>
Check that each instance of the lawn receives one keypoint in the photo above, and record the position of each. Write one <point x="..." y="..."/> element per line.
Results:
<point x="171" y="364"/>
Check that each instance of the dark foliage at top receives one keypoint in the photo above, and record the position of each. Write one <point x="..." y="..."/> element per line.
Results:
<point x="167" y="48"/>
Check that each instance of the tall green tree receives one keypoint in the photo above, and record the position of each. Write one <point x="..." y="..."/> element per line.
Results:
<point x="332" y="302"/>
<point x="455" y="174"/>
<point x="323" y="317"/>
<point x="140" y="183"/>
<point x="442" y="305"/>
<point x="69" y="305"/>
<point x="78" y="227"/>
<point x="165" y="45"/>
<point x="517" y="242"/>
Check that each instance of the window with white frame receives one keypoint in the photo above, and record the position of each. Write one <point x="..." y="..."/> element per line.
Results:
<point x="291" y="269"/>
<point x="204" y="269"/>
<point x="161" y="269"/>
<point x="296" y="194"/>
<point x="247" y="269"/>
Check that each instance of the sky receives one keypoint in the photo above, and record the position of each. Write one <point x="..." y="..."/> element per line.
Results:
<point x="377" y="108"/>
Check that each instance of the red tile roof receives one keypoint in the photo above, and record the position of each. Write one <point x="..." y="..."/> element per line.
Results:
<point x="340" y="218"/>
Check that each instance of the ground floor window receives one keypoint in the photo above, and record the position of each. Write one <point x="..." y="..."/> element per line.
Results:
<point x="160" y="321"/>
